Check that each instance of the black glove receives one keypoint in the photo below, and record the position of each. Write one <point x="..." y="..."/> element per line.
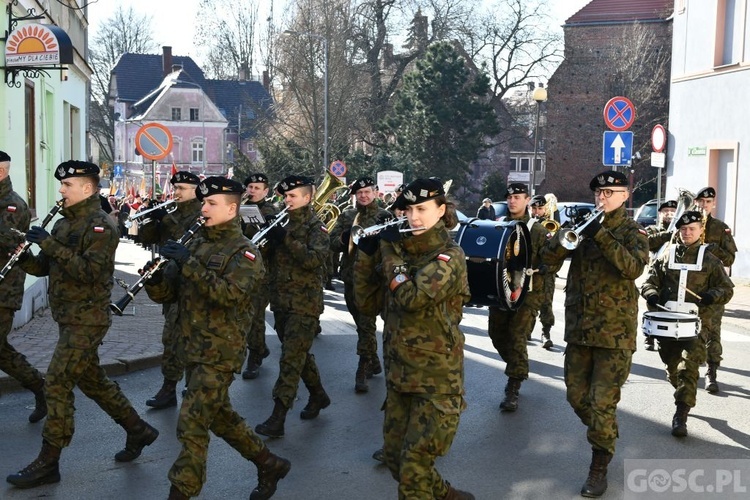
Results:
<point x="653" y="299"/>
<point x="391" y="234"/>
<point x="706" y="299"/>
<point x="175" y="251"/>
<point x="156" y="278"/>
<point x="591" y="229"/>
<point x="345" y="237"/>
<point x="157" y="214"/>
<point x="369" y="245"/>
<point x="277" y="234"/>
<point x="37" y="235"/>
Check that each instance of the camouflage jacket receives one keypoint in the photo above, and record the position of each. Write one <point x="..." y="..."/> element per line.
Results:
<point x="601" y="300"/>
<point x="14" y="213"/>
<point x="423" y="342"/>
<point x="172" y="226"/>
<point x="212" y="290"/>
<point x="269" y="211"/>
<point x="720" y="240"/>
<point x="538" y="241"/>
<point x="79" y="258"/>
<point x="298" y="265"/>
<point x="363" y="217"/>
<point x="711" y="279"/>
<point x="657" y="236"/>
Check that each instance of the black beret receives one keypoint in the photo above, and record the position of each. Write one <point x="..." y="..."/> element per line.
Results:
<point x="688" y="217"/>
<point x="516" y="188"/>
<point x="668" y="204"/>
<point x="401" y="188"/>
<point x="218" y="185"/>
<point x="256" y="177"/>
<point x="538" y="201"/>
<point x="361" y="183"/>
<point x="706" y="192"/>
<point x="607" y="179"/>
<point x="293" y="182"/>
<point x="75" y="168"/>
<point x="4" y="156"/>
<point x="419" y="191"/>
<point x="185" y="178"/>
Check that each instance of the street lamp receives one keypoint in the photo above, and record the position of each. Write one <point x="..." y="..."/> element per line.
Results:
<point x="203" y="118"/>
<point x="325" y="89"/>
<point x="539" y="95"/>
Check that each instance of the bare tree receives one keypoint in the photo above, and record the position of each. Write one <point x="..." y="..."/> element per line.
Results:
<point x="229" y="30"/>
<point x="124" y="32"/>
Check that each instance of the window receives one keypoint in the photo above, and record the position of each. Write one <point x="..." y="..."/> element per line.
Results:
<point x="176" y="114"/>
<point x="525" y="164"/>
<point x="538" y="164"/>
<point x="196" y="152"/>
<point x="727" y="48"/>
<point x="195" y="115"/>
<point x="513" y="164"/>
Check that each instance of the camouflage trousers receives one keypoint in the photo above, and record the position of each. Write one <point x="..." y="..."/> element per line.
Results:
<point x="206" y="407"/>
<point x="173" y="357"/>
<point x="13" y="362"/>
<point x="296" y="333"/>
<point x="546" y="316"/>
<point x="509" y="331"/>
<point x="256" y="334"/>
<point x="75" y="362"/>
<point x="417" y="429"/>
<point x="367" y="339"/>
<point x="683" y="357"/>
<point x="593" y="379"/>
<point x="711" y="318"/>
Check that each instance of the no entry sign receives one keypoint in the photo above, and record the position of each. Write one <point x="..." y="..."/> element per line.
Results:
<point x="153" y="141"/>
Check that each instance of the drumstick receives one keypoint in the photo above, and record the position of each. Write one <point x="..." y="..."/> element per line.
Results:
<point x="691" y="292"/>
<point x="664" y="308"/>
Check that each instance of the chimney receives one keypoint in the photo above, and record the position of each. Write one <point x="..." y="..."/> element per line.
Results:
<point x="166" y="59"/>
<point x="244" y="72"/>
<point x="266" y="81"/>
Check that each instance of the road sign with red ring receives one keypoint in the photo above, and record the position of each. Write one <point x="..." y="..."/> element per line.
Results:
<point x="153" y="141"/>
<point x="338" y="168"/>
<point x="619" y="113"/>
<point x="658" y="138"/>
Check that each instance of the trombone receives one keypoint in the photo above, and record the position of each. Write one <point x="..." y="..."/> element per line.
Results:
<point x="169" y="205"/>
<point x="359" y="232"/>
<point x="570" y="238"/>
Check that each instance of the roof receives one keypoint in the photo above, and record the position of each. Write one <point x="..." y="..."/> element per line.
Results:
<point x="618" y="11"/>
<point x="233" y="97"/>
<point x="139" y="74"/>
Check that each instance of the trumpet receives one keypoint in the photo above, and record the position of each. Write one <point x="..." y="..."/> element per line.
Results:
<point x="119" y="306"/>
<point x="25" y="248"/>
<point x="169" y="205"/>
<point x="259" y="239"/>
<point x="359" y="232"/>
<point x="551" y="225"/>
<point x="570" y="238"/>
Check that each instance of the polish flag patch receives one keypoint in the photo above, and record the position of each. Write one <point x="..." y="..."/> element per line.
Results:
<point x="443" y="257"/>
<point x="643" y="232"/>
<point x="727" y="230"/>
<point x="12" y="208"/>
<point x="324" y="229"/>
<point x="249" y="255"/>
<point x="98" y="229"/>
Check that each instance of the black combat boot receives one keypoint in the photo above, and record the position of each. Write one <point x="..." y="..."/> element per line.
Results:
<point x="596" y="483"/>
<point x="375" y="367"/>
<point x="43" y="470"/>
<point x="254" y="361"/>
<point x="360" y="378"/>
<point x="271" y="470"/>
<point x="650" y="343"/>
<point x="274" y="425"/>
<point x="140" y="435"/>
<point x="510" y="403"/>
<point x="454" y="494"/>
<point x="679" y="421"/>
<point x="318" y="400"/>
<point x="166" y="397"/>
<point x="40" y="408"/>
<point x="546" y="340"/>
<point x="711" y="385"/>
<point x="176" y="494"/>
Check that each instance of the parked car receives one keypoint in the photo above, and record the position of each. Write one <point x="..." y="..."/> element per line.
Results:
<point x="567" y="209"/>
<point x="501" y="209"/>
<point x="647" y="214"/>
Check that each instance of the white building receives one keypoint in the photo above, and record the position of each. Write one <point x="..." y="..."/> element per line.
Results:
<point x="709" y="110"/>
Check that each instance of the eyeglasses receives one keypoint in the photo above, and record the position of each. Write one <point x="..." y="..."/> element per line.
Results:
<point x="607" y="192"/>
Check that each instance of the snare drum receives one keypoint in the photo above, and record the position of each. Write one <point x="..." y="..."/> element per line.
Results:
<point x="497" y="256"/>
<point x="673" y="325"/>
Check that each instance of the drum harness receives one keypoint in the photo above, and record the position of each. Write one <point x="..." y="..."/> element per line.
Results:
<point x="684" y="268"/>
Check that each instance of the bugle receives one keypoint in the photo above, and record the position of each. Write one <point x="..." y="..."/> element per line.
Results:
<point x="119" y="306"/>
<point x="359" y="232"/>
<point x="259" y="239"/>
<point x="25" y="248"/>
<point x="570" y="238"/>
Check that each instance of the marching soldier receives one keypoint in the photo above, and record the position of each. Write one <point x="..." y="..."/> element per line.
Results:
<point x="256" y="190"/>
<point x="366" y="213"/>
<point x="720" y="242"/>
<point x="704" y="277"/>
<point x="163" y="227"/>
<point x="300" y="252"/>
<point x="14" y="214"/>
<point x="540" y="210"/>
<point x="79" y="259"/>
<point x="509" y="330"/>
<point x="427" y="285"/>
<point x="601" y="307"/>
<point x="658" y="235"/>
<point x="210" y="279"/>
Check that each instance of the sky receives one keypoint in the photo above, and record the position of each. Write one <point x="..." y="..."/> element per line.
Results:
<point x="173" y="20"/>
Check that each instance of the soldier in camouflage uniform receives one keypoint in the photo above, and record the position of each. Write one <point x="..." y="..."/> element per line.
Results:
<point x="79" y="259"/>
<point x="601" y="310"/>
<point x="714" y="289"/>
<point x="256" y="191"/>
<point x="15" y="215"/>
<point x="720" y="242"/>
<point x="509" y="330"/>
<point x="299" y="254"/>
<point x="366" y="213"/>
<point x="427" y="286"/>
<point x="163" y="227"/>
<point x="210" y="278"/>
<point x="540" y="210"/>
<point x="658" y="236"/>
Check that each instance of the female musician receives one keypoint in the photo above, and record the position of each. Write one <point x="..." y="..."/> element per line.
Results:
<point x="427" y="285"/>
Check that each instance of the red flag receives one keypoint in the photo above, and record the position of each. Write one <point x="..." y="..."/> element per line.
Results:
<point x="174" y="168"/>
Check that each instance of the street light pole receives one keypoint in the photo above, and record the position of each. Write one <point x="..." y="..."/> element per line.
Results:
<point x="539" y="95"/>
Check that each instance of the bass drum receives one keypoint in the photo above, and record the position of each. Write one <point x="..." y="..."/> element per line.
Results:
<point x="497" y="257"/>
